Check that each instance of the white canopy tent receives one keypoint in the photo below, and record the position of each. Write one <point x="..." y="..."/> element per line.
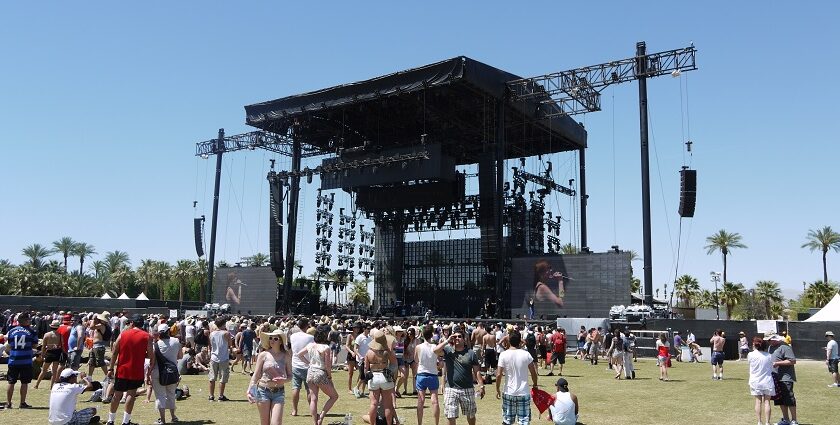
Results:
<point x="123" y="296"/>
<point x="829" y="313"/>
<point x="105" y="297"/>
<point x="142" y="297"/>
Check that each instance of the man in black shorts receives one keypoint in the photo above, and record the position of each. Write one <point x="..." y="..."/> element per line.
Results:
<point x="132" y="348"/>
<point x="19" y="343"/>
<point x="785" y="371"/>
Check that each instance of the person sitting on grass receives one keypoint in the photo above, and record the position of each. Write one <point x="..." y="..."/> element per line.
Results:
<point x="564" y="410"/>
<point x="63" y="398"/>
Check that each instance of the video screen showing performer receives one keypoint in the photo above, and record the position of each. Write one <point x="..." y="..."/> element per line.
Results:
<point x="246" y="289"/>
<point x="233" y="294"/>
<point x="547" y="291"/>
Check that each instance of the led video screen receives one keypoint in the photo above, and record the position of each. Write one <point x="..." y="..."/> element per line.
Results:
<point x="246" y="289"/>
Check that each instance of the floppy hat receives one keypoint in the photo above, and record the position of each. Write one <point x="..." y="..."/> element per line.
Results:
<point x="379" y="342"/>
<point x="264" y="336"/>
<point x="104" y="316"/>
<point x="829" y="333"/>
<point x="773" y="336"/>
<point x="55" y="324"/>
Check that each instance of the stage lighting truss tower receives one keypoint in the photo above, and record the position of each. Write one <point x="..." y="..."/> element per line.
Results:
<point x="579" y="90"/>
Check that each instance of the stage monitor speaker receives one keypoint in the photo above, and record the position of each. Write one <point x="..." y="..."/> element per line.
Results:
<point x="688" y="192"/>
<point x="198" y="231"/>
<point x="275" y="229"/>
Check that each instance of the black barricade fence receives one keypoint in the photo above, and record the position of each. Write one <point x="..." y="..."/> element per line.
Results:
<point x="44" y="304"/>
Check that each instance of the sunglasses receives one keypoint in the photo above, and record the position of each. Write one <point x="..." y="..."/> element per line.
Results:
<point x="274" y="338"/>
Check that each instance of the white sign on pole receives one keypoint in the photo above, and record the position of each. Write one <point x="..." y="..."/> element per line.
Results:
<point x="173" y="314"/>
<point x="765" y="326"/>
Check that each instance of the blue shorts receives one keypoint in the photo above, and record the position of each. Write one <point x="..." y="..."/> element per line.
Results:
<point x="299" y="379"/>
<point x="274" y="397"/>
<point x="717" y="358"/>
<point x="427" y="381"/>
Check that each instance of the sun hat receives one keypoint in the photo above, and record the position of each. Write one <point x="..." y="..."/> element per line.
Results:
<point x="55" y="324"/>
<point x="773" y="336"/>
<point x="379" y="342"/>
<point x="829" y="333"/>
<point x="398" y="328"/>
<point x="104" y="316"/>
<point x="264" y="336"/>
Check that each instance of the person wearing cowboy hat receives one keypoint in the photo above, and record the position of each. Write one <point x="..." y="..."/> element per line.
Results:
<point x="564" y="410"/>
<point x="784" y="362"/>
<point x="272" y="370"/>
<point x="743" y="346"/>
<point x="100" y="327"/>
<point x="832" y="357"/>
<point x="50" y="354"/>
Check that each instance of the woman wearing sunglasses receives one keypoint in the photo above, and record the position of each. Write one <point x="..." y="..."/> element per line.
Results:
<point x="273" y="369"/>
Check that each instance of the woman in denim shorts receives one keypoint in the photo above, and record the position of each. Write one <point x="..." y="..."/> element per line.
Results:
<point x="273" y="369"/>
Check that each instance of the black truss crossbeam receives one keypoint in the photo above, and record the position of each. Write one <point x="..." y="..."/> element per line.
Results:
<point x="578" y="90"/>
<point x="341" y="166"/>
<point x="542" y="181"/>
<point x="253" y="140"/>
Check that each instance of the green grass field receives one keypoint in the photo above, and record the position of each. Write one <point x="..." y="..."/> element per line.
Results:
<point x="690" y="397"/>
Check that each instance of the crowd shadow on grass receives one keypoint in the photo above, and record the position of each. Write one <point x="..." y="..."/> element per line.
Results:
<point x="198" y="422"/>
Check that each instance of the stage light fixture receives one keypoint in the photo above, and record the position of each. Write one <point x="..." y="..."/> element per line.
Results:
<point x="204" y="156"/>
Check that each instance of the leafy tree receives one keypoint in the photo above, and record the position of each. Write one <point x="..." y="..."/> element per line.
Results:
<point x="27" y="277"/>
<point x="257" y="260"/>
<point x="706" y="299"/>
<point x="823" y="240"/>
<point x="83" y="251"/>
<point x="65" y="246"/>
<point x="750" y="307"/>
<point x="36" y="254"/>
<point x="730" y="295"/>
<point x="686" y="287"/>
<point x="122" y="277"/>
<point x="182" y="273"/>
<point x="820" y="293"/>
<point x="770" y="293"/>
<point x="8" y="282"/>
<point x="724" y="242"/>
<point x="222" y="264"/>
<point x="568" y="249"/>
<point x="635" y="284"/>
<point x="359" y="294"/>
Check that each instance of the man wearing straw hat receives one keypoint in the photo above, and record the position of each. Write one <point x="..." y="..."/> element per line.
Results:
<point x="99" y="327"/>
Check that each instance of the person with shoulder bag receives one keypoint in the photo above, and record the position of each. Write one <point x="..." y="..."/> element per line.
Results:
<point x="165" y="376"/>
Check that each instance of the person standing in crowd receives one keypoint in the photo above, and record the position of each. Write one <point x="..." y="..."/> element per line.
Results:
<point x="271" y="371"/>
<point x="581" y="343"/>
<point x="595" y="346"/>
<point x="558" y="350"/>
<point x="132" y="348"/>
<point x="319" y="375"/>
<point x="76" y="343"/>
<point x="361" y="345"/>
<point x="788" y="339"/>
<point x="542" y="347"/>
<point x="564" y="410"/>
<point x="299" y="340"/>
<point x="220" y="344"/>
<point x="427" y="378"/>
<point x="189" y="332"/>
<point x="168" y="349"/>
<point x="490" y="345"/>
<point x="19" y="342"/>
<point x="408" y="368"/>
<point x="663" y="354"/>
<point x="679" y="342"/>
<point x="629" y="344"/>
<point x="351" y="355"/>
<point x="247" y="348"/>
<point x="462" y="369"/>
<point x="616" y="354"/>
<point x="761" y="379"/>
<point x="101" y="335"/>
<point x="50" y="354"/>
<point x="63" y="398"/>
<point x="743" y="346"/>
<point x="832" y="357"/>
<point x="514" y="366"/>
<point x="784" y="362"/>
<point x="381" y="382"/>
<point x="717" y="342"/>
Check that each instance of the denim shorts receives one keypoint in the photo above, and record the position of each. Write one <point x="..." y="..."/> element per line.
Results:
<point x="275" y="397"/>
<point x="427" y="381"/>
<point x="299" y="379"/>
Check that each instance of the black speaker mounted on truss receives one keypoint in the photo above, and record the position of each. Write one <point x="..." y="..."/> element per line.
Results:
<point x="688" y="192"/>
<point x="275" y="228"/>
<point x="198" y="231"/>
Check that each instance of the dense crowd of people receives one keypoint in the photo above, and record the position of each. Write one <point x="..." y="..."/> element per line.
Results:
<point x="385" y="359"/>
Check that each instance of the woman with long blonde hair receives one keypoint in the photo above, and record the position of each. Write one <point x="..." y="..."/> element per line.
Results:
<point x="272" y="370"/>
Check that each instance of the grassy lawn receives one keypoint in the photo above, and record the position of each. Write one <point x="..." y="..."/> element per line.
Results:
<point x="690" y="397"/>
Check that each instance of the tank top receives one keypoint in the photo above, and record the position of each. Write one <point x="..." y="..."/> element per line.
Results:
<point x="221" y="351"/>
<point x="132" y="354"/>
<point x="563" y="409"/>
<point x="427" y="361"/>
<point x="272" y="369"/>
<point x="316" y="356"/>
<point x="662" y="349"/>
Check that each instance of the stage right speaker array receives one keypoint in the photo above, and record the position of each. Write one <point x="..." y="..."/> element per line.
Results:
<point x="688" y="192"/>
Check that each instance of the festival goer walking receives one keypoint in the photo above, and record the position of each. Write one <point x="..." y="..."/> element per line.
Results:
<point x="679" y="342"/>
<point x="50" y="354"/>
<point x="663" y="354"/>
<point x="564" y="410"/>
<point x="558" y="350"/>
<point x="247" y="348"/>
<point x="581" y="343"/>
<point x="271" y="371"/>
<point x="427" y="378"/>
<point x="761" y="379"/>
<point x="19" y="343"/>
<point x="352" y="364"/>
<point x="380" y="383"/>
<point x="784" y="362"/>
<point x="298" y="341"/>
<point x="319" y="375"/>
<point x="169" y="349"/>
<point x="361" y="345"/>
<point x="616" y="354"/>
<point x="514" y="365"/>
<point x="717" y="342"/>
<point x="132" y="348"/>
<point x="409" y="365"/>
<point x="594" y="346"/>
<point x="220" y="343"/>
<point x="743" y="346"/>
<point x="101" y="335"/>
<point x="832" y="357"/>
<point x="462" y="369"/>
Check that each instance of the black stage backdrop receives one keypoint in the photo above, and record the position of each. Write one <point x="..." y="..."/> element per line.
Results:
<point x="593" y="283"/>
<point x="247" y="289"/>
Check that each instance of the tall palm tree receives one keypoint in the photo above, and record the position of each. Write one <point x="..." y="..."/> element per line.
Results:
<point x="200" y="276"/>
<point x="770" y="293"/>
<point x="115" y="259"/>
<point x="83" y="251"/>
<point x="724" y="242"/>
<point x="65" y="246"/>
<point x="823" y="239"/>
<point x="144" y="274"/>
<point x="730" y="295"/>
<point x="706" y="299"/>
<point x="182" y="273"/>
<point x="36" y="253"/>
<point x="568" y="249"/>
<point x="161" y="273"/>
<point x="359" y="294"/>
<point x="257" y="260"/>
<point x="686" y="287"/>
<point x="820" y="293"/>
<point x="122" y="276"/>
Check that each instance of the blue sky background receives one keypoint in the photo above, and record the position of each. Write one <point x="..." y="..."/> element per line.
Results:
<point x="101" y="104"/>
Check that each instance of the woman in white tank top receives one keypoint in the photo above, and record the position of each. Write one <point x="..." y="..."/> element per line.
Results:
<point x="319" y="375"/>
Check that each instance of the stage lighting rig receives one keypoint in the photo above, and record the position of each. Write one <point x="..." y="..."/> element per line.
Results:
<point x="548" y="183"/>
<point x="323" y="214"/>
<point x="349" y="247"/>
<point x="323" y="242"/>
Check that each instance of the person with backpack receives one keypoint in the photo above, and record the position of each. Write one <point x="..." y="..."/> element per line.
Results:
<point x="557" y="342"/>
<point x="167" y="352"/>
<point x="531" y="344"/>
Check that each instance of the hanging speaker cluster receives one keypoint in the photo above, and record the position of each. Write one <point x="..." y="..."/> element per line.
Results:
<point x="198" y="230"/>
<point x="688" y="192"/>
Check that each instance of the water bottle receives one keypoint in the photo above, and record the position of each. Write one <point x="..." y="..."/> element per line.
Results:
<point x="348" y="419"/>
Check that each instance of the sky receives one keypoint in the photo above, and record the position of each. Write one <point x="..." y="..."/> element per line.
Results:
<point x="101" y="105"/>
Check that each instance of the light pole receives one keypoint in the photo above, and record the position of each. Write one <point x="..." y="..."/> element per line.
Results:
<point x="716" y="278"/>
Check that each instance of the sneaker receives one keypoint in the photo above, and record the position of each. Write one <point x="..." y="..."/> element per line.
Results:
<point x="211" y="398"/>
<point x="793" y="422"/>
<point x="550" y="374"/>
<point x="356" y="392"/>
<point x="223" y="398"/>
<point x="833" y="385"/>
<point x="25" y="406"/>
<point x="159" y="421"/>
<point x="783" y="422"/>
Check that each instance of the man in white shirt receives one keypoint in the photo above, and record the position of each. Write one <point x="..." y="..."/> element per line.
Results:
<point x="832" y="357"/>
<point x="63" y="398"/>
<point x="515" y="364"/>
<point x="361" y="346"/>
<point x="299" y="340"/>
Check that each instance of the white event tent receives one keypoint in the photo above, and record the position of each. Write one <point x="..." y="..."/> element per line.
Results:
<point x="829" y="313"/>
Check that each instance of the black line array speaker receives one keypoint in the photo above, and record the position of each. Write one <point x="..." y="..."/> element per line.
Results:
<point x="487" y="211"/>
<point x="275" y="229"/>
<point x="198" y="231"/>
<point x="688" y="192"/>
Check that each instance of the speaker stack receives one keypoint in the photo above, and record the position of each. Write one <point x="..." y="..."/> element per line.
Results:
<point x="688" y="192"/>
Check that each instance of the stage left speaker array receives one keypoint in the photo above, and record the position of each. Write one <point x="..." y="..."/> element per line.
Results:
<point x="198" y="231"/>
<point x="275" y="229"/>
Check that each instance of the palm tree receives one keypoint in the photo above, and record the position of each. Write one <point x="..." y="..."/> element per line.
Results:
<point x="706" y="299"/>
<point x="161" y="272"/>
<point x="27" y="277"/>
<point x="820" y="293"/>
<point x="115" y="259"/>
<point x="65" y="246"/>
<point x="122" y="277"/>
<point x="770" y="293"/>
<point x="823" y="240"/>
<point x="144" y="274"/>
<point x="569" y="249"/>
<point x="724" y="242"/>
<point x="257" y="260"/>
<point x="200" y="275"/>
<point x="730" y="295"/>
<point x="182" y="273"/>
<point x="359" y="294"/>
<point x="686" y="288"/>
<point x="83" y="251"/>
<point x="36" y="253"/>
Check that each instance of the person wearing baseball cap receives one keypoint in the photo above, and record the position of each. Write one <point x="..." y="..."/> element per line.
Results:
<point x="784" y="362"/>
<point x="564" y="410"/>
<point x="64" y="396"/>
<point x="832" y="357"/>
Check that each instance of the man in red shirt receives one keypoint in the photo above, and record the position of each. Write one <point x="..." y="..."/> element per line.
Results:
<point x="131" y="350"/>
<point x="64" y="332"/>
<point x="558" y="350"/>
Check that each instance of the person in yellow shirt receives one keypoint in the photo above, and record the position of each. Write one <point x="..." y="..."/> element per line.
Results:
<point x="787" y="337"/>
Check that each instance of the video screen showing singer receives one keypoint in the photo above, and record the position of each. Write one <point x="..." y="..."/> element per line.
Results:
<point x="233" y="295"/>
<point x="548" y="290"/>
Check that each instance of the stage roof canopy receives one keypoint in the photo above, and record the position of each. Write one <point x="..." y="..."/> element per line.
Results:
<point x="452" y="102"/>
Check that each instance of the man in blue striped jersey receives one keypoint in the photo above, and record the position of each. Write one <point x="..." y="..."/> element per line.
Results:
<point x="19" y="342"/>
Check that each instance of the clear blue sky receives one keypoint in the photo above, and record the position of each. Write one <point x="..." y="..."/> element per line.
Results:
<point x="101" y="104"/>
